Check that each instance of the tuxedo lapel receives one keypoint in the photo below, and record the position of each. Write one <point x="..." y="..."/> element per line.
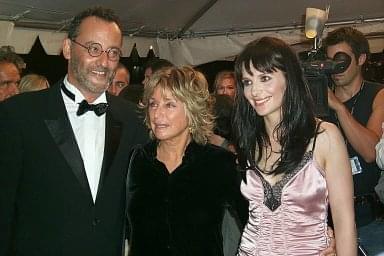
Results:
<point x="61" y="131"/>
<point x="113" y="130"/>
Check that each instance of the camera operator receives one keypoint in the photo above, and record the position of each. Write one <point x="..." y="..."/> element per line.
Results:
<point x="357" y="108"/>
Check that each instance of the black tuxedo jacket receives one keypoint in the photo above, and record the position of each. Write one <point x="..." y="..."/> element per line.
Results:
<point x="46" y="207"/>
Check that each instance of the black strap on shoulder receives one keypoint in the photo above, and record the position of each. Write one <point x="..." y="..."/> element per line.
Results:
<point x="316" y="133"/>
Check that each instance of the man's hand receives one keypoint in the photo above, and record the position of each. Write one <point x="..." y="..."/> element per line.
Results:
<point x="333" y="102"/>
<point x="331" y="250"/>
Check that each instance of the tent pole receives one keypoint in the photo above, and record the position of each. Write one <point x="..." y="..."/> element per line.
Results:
<point x="195" y="17"/>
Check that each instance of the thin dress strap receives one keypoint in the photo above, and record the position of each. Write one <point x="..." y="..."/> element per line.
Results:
<point x="316" y="132"/>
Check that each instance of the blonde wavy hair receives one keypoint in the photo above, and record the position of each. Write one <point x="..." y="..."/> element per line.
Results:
<point x="226" y="74"/>
<point x="33" y="82"/>
<point x="191" y="88"/>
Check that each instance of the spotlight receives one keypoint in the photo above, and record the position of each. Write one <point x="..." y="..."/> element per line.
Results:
<point x="314" y="22"/>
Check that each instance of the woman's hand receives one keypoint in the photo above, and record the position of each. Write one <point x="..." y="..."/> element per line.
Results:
<point x="331" y="250"/>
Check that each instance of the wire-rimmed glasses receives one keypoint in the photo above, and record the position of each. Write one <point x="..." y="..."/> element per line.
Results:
<point x="95" y="50"/>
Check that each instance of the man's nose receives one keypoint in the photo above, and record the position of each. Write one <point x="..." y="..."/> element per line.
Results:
<point x="113" y="89"/>
<point x="103" y="59"/>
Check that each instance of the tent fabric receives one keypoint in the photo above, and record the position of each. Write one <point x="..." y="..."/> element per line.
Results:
<point x="186" y="32"/>
<point x="22" y="39"/>
<point x="185" y="51"/>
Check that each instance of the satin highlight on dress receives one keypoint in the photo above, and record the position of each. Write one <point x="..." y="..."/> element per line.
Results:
<point x="297" y="225"/>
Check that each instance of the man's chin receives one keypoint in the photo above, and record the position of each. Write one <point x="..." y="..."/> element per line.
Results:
<point x="96" y="88"/>
<point x="99" y="90"/>
<point x="98" y="85"/>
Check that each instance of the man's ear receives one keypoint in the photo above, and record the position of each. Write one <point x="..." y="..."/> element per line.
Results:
<point x="362" y="58"/>
<point x="67" y="48"/>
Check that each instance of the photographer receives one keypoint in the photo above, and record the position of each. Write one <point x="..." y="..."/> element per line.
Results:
<point x="357" y="108"/>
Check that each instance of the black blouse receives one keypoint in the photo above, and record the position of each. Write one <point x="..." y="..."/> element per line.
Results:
<point x="181" y="213"/>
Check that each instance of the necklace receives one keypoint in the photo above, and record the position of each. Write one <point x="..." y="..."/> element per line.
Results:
<point x="357" y="96"/>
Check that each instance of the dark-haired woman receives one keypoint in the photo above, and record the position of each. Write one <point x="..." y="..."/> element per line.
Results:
<point x="296" y="164"/>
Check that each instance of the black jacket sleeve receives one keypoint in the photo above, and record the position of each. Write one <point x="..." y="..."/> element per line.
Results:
<point x="11" y="152"/>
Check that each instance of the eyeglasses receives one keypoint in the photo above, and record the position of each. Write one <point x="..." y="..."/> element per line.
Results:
<point x="95" y="50"/>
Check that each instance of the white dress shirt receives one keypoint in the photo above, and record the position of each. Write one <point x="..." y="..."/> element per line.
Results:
<point x="89" y="130"/>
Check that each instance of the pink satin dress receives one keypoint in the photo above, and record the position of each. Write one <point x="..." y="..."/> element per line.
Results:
<point x="288" y="218"/>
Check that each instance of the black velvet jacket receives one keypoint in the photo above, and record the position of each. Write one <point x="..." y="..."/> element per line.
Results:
<point x="180" y="214"/>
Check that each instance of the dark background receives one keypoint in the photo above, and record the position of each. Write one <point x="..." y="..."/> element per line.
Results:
<point x="55" y="67"/>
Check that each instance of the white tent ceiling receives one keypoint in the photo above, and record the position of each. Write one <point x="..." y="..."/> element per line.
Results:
<point x="186" y="32"/>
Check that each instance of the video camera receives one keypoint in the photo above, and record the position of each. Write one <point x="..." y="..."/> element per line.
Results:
<point x="317" y="68"/>
<point x="338" y="64"/>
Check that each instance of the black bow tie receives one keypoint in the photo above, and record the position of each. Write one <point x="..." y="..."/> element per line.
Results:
<point x="84" y="106"/>
<point x="99" y="109"/>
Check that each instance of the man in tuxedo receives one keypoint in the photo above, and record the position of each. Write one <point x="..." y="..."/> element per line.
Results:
<point x="64" y="152"/>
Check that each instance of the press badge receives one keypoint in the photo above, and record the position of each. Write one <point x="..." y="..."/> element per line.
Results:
<point x="355" y="165"/>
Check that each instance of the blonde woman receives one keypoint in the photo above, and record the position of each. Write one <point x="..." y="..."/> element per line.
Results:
<point x="33" y="82"/>
<point x="178" y="184"/>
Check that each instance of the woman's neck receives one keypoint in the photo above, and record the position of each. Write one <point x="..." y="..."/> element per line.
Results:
<point x="171" y="152"/>
<point x="272" y="151"/>
<point x="270" y="128"/>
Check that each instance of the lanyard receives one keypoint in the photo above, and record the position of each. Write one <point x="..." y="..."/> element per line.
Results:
<point x="352" y="110"/>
